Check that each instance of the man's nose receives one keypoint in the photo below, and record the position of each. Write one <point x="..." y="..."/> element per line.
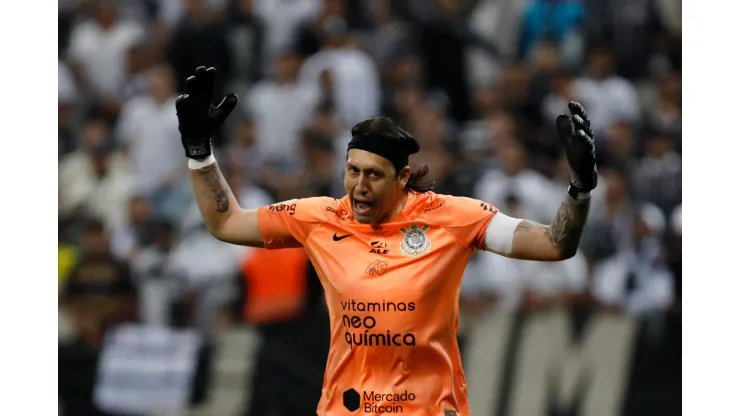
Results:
<point x="363" y="183"/>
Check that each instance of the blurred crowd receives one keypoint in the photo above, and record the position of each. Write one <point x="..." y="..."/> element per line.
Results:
<point x="478" y="82"/>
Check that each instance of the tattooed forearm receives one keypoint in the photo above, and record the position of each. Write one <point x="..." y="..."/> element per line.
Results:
<point x="567" y="227"/>
<point x="556" y="241"/>
<point x="216" y="185"/>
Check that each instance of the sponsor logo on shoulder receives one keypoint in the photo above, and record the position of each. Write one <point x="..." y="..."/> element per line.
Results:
<point x="436" y="206"/>
<point x="288" y="206"/>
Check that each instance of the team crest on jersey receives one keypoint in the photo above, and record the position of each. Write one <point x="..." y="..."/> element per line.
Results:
<point x="415" y="241"/>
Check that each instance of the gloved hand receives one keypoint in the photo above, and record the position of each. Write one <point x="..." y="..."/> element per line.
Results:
<point x="198" y="118"/>
<point x="577" y="139"/>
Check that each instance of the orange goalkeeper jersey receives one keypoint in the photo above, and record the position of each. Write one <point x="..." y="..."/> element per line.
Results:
<point x="392" y="294"/>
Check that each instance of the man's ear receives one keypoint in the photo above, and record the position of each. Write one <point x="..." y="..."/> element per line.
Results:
<point x="404" y="177"/>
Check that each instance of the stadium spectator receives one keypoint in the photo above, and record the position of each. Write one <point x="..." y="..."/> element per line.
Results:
<point x="67" y="96"/>
<point x="620" y="146"/>
<point x="67" y="252"/>
<point x="146" y="129"/>
<point x="311" y="33"/>
<point x="675" y="252"/>
<point x="504" y="33"/>
<point x="158" y="287"/>
<point x="658" y="175"/>
<point x="99" y="292"/>
<point x="634" y="29"/>
<point x="128" y="238"/>
<point x="199" y="39"/>
<point x="665" y="115"/>
<point x="356" y="82"/>
<point x="95" y="179"/>
<point x="97" y="296"/>
<point x="612" y="96"/>
<point x="246" y="36"/>
<point x="97" y="52"/>
<point x="514" y="177"/>
<point x="637" y="280"/>
<point x="280" y="107"/>
<point x="282" y="20"/>
<point x="559" y="20"/>
<point x="390" y="36"/>
<point x="139" y="60"/>
<point x="610" y="224"/>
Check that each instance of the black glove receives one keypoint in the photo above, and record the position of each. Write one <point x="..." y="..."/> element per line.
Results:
<point x="198" y="118"/>
<point x="577" y="138"/>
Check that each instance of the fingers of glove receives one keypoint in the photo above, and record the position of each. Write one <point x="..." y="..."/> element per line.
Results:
<point x="565" y="128"/>
<point x="588" y="140"/>
<point x="181" y="103"/>
<point x="577" y="109"/>
<point x="583" y="135"/>
<point x="580" y="123"/>
<point x="225" y="107"/>
<point x="198" y="87"/>
<point x="191" y="85"/>
<point x="209" y="79"/>
<point x="206" y="79"/>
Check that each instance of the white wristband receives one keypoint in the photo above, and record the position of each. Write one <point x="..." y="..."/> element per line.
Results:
<point x="579" y="195"/>
<point x="583" y="195"/>
<point x="200" y="164"/>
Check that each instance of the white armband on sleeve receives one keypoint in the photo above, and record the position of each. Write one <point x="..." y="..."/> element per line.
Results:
<point x="199" y="164"/>
<point x="500" y="233"/>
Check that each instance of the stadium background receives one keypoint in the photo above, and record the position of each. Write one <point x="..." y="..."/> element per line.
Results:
<point x="224" y="330"/>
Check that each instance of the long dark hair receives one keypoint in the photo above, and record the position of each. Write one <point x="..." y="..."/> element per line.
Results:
<point x="383" y="128"/>
<point x="419" y="181"/>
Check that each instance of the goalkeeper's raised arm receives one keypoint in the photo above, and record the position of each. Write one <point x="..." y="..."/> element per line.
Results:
<point x="527" y="240"/>
<point x="199" y="120"/>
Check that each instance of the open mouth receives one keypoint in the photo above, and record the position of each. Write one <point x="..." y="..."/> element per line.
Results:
<point x="362" y="207"/>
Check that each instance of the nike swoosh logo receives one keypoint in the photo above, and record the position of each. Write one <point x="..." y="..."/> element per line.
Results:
<point x="337" y="238"/>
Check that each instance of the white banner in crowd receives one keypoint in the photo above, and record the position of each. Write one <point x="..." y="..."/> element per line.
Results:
<point x="147" y="369"/>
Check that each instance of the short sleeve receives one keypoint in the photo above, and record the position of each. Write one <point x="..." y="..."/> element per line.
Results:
<point x="287" y="224"/>
<point x="465" y="218"/>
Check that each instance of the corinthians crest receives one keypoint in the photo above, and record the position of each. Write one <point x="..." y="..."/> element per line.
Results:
<point x="415" y="241"/>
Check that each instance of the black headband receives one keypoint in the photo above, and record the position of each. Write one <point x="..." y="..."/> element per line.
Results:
<point x="398" y="156"/>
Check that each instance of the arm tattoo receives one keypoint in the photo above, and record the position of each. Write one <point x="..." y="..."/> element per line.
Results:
<point x="565" y="231"/>
<point x="567" y="227"/>
<point x="216" y="184"/>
